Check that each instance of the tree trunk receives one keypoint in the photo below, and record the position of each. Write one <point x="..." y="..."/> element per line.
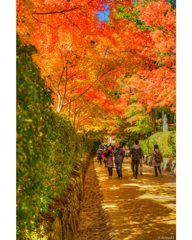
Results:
<point x="153" y="122"/>
<point x="59" y="103"/>
<point x="69" y="111"/>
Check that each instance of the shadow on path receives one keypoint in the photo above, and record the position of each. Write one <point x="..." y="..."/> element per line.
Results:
<point x="94" y="223"/>
<point x="136" y="209"/>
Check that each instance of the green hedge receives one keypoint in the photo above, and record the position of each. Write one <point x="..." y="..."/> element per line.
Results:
<point x="47" y="146"/>
<point x="165" y="140"/>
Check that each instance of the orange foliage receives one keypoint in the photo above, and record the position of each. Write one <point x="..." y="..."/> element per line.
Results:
<point x="86" y="62"/>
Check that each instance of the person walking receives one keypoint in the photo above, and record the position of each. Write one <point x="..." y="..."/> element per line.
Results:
<point x="99" y="154"/>
<point x="156" y="160"/>
<point x="141" y="163"/>
<point x="126" y="151"/>
<point x="109" y="161"/>
<point x="119" y="155"/>
<point x="136" y="153"/>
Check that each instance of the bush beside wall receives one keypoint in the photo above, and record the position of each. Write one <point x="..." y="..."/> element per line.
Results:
<point x="47" y="149"/>
<point x="165" y="140"/>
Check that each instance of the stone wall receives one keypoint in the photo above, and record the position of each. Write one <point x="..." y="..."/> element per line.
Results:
<point x="65" y="226"/>
<point x="168" y="164"/>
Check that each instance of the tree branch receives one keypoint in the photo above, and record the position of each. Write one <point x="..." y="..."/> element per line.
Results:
<point x="88" y="87"/>
<point x="47" y="23"/>
<point x="57" y="12"/>
<point x="62" y="11"/>
<point x="73" y="23"/>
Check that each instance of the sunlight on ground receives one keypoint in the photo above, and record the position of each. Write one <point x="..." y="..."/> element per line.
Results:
<point x="170" y="183"/>
<point x="130" y="184"/>
<point x="105" y="205"/>
<point x="170" y="219"/>
<point x="114" y="188"/>
<point x="162" y="199"/>
<point x="103" y="177"/>
<point x="146" y="186"/>
<point x="156" y="197"/>
<point x="127" y="167"/>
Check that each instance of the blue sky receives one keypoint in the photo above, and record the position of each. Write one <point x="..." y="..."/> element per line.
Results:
<point x="103" y="16"/>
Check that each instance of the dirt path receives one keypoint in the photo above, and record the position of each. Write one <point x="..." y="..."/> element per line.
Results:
<point x="94" y="222"/>
<point x="135" y="209"/>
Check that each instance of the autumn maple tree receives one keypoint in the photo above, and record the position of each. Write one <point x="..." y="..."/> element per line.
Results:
<point x="99" y="65"/>
<point x="146" y="35"/>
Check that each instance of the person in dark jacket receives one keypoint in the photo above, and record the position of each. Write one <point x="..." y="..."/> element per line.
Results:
<point x="99" y="153"/>
<point x="136" y="153"/>
<point x="119" y="156"/>
<point x="109" y="161"/>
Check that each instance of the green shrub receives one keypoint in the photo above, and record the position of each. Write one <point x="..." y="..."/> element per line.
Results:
<point x="165" y="140"/>
<point x="47" y="147"/>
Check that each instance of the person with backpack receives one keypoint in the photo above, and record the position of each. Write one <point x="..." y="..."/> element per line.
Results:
<point x="136" y="153"/>
<point x="99" y="154"/>
<point x="119" y="155"/>
<point x="109" y="161"/>
<point x="156" y="160"/>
